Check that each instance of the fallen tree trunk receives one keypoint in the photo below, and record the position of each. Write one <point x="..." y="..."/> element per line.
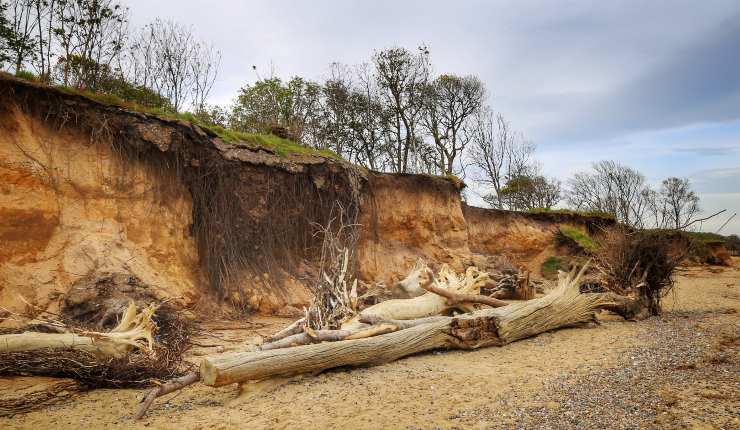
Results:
<point x="564" y="306"/>
<point x="133" y="332"/>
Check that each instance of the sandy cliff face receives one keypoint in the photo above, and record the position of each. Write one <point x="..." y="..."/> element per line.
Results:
<point x="407" y="217"/>
<point x="70" y="207"/>
<point x="87" y="188"/>
<point x="526" y="239"/>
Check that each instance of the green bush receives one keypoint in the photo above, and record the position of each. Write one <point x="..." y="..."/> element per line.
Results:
<point x="137" y="94"/>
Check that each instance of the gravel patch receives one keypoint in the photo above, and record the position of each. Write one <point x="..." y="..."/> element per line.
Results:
<point x="686" y="376"/>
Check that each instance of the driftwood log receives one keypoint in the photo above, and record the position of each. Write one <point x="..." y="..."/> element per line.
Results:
<point x="429" y="303"/>
<point x="133" y="332"/>
<point x="564" y="306"/>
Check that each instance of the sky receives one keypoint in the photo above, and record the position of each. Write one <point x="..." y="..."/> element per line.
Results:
<point x="653" y="84"/>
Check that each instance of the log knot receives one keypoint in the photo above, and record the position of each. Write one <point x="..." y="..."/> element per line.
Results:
<point x="471" y="333"/>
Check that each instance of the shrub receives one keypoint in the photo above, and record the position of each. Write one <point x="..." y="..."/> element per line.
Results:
<point x="639" y="264"/>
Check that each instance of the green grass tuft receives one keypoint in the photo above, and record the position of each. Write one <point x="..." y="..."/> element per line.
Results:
<point x="281" y="146"/>
<point x="550" y="267"/>
<point x="27" y="76"/>
<point x="579" y="237"/>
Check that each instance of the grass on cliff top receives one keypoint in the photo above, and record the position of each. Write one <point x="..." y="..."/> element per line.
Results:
<point x="596" y="214"/>
<point x="282" y="147"/>
<point x="582" y="239"/>
<point x="697" y="236"/>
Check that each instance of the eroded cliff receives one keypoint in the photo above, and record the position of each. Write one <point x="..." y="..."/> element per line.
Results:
<point x="88" y="188"/>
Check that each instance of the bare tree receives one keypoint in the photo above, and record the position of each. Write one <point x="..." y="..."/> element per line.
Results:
<point x="167" y="57"/>
<point x="45" y="12"/>
<point x="91" y="35"/>
<point x="139" y="63"/>
<point x="500" y="154"/>
<point x="450" y="104"/>
<point x="675" y="205"/>
<point x="174" y="47"/>
<point x="204" y="65"/>
<point x="611" y="188"/>
<point x="23" y="23"/>
<point x="401" y="76"/>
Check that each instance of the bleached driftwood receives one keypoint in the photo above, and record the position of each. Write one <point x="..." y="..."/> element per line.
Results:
<point x="133" y="332"/>
<point x="564" y="306"/>
<point x="429" y="303"/>
<point x="420" y="274"/>
<point x="448" y="291"/>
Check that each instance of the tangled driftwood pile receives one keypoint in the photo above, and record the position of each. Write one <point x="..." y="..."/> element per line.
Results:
<point x="444" y="310"/>
<point x="449" y="314"/>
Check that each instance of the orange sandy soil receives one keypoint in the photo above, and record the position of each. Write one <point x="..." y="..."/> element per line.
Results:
<point x="490" y="388"/>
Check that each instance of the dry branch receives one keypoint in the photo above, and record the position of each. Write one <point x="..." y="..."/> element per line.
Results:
<point x="335" y="289"/>
<point x="294" y="328"/>
<point x="454" y="298"/>
<point x="169" y="387"/>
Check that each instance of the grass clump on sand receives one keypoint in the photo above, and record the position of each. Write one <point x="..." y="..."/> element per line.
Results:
<point x="550" y="267"/>
<point x="580" y="238"/>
